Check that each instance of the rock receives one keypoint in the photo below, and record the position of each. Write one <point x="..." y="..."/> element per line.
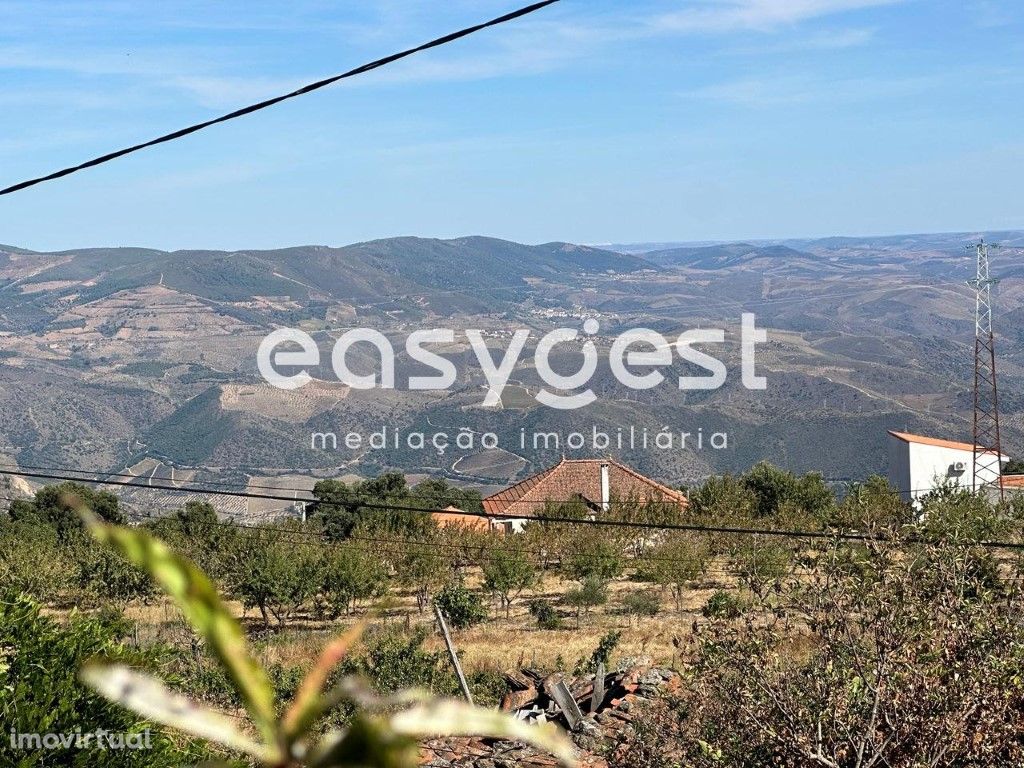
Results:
<point x="530" y="700"/>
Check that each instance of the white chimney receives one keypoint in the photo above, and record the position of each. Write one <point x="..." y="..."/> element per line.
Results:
<point x="606" y="490"/>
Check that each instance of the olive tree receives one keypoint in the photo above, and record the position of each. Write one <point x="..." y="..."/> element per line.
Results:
<point x="275" y="570"/>
<point x="508" y="571"/>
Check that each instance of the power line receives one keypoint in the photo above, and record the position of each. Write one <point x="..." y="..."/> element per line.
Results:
<point x="278" y="99"/>
<point x="320" y="538"/>
<point x="179" y="469"/>
<point x="448" y="497"/>
<point x="589" y="521"/>
<point x="454" y="497"/>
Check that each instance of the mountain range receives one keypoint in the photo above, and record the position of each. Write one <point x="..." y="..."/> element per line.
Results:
<point x="142" y="361"/>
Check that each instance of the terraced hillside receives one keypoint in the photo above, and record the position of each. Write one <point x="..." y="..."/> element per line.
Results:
<point x="112" y="357"/>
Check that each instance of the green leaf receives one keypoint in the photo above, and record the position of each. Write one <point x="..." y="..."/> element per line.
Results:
<point x="310" y="701"/>
<point x="149" y="697"/>
<point x="456" y="718"/>
<point x="199" y="602"/>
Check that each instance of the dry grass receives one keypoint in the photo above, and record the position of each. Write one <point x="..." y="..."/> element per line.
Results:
<point x="498" y="643"/>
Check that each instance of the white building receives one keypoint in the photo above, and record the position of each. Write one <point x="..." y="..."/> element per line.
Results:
<point x="918" y="465"/>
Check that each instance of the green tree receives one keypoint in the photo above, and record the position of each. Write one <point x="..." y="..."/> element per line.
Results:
<point x="33" y="561"/>
<point x="462" y="607"/>
<point x="724" y="498"/>
<point x="423" y="566"/>
<point x="676" y="562"/>
<point x="438" y="493"/>
<point x="109" y="578"/>
<point x="592" y="554"/>
<point x="591" y="593"/>
<point x="275" y="570"/>
<point x="873" y="504"/>
<point x="774" y="487"/>
<point x="54" y="505"/>
<point x="196" y="530"/>
<point x="507" y="572"/>
<point x="384" y="503"/>
<point x="352" y="574"/>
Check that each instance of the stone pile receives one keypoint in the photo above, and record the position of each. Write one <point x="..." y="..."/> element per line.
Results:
<point x="532" y="697"/>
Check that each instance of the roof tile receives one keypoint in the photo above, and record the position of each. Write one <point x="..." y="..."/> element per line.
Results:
<point x="572" y="478"/>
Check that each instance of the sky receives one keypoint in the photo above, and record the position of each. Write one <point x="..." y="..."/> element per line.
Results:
<point x="592" y="121"/>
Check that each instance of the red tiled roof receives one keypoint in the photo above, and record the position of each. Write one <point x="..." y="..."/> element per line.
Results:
<point x="453" y="516"/>
<point x="1013" y="481"/>
<point x="572" y="478"/>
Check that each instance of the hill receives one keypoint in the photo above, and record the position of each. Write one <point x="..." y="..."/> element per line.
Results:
<point x="114" y="358"/>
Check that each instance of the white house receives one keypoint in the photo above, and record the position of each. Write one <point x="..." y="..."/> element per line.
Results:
<point x="918" y="464"/>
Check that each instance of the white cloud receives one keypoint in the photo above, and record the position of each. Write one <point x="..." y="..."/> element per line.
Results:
<point x="730" y="15"/>
<point x="232" y="92"/>
<point x="208" y="76"/>
<point x="789" y="90"/>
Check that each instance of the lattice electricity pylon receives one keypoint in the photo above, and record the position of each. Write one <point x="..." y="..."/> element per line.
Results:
<point x="987" y="444"/>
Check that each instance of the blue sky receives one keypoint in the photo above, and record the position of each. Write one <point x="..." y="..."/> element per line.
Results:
<point x="593" y="121"/>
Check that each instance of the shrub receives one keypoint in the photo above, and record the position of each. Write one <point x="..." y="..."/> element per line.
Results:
<point x="394" y="660"/>
<point x="461" y="606"/>
<point x="910" y="658"/>
<point x="722" y="605"/>
<point x="641" y="604"/>
<point x="602" y="654"/>
<point x="489" y="686"/>
<point x="545" y="614"/>
<point x="39" y="691"/>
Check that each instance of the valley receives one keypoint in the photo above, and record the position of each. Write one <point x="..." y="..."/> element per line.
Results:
<point x="143" y="362"/>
